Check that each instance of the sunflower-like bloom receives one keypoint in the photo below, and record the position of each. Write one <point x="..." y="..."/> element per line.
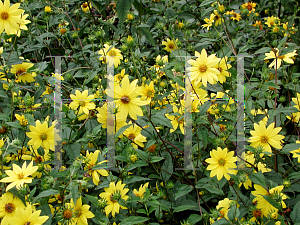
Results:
<point x="81" y="212"/>
<point x="10" y="17"/>
<point x="147" y="92"/>
<point x="92" y="158"/>
<point x="28" y="216"/>
<point x="221" y="163"/>
<point x="41" y="135"/>
<point x="287" y="58"/>
<point x="273" y="20"/>
<point x="18" y="176"/>
<point x="21" y="72"/>
<point x="203" y="68"/>
<point x="263" y="204"/>
<point x="140" y="193"/>
<point x="112" y="194"/>
<point x="170" y="45"/>
<point x="250" y="6"/>
<point x="209" y="21"/>
<point x="83" y="100"/>
<point x="234" y="15"/>
<point x="177" y="120"/>
<point x="111" y="55"/>
<point x="217" y="18"/>
<point x="127" y="101"/>
<point x="134" y="134"/>
<point x="8" y="205"/>
<point x="296" y="153"/>
<point x="23" y="121"/>
<point x="222" y="66"/>
<point x="86" y="7"/>
<point x="223" y="207"/>
<point x="266" y="137"/>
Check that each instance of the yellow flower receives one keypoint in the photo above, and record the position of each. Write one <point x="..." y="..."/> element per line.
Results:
<point x="147" y="92"/>
<point x="209" y="21"/>
<point x="92" y="158"/>
<point x="140" y="193"/>
<point x="221" y="163"/>
<point x="41" y="135"/>
<point x="287" y="58"/>
<point x="23" y="121"/>
<point x="1" y="51"/>
<point x="221" y="7"/>
<point x="133" y="158"/>
<point x="83" y="100"/>
<point x="234" y="15"/>
<point x="118" y="77"/>
<point x="81" y="212"/>
<point x="263" y="204"/>
<point x="134" y="134"/>
<point x="170" y="45"/>
<point x="256" y="112"/>
<point x="111" y="55"/>
<point x="112" y="194"/>
<point x="250" y="6"/>
<point x="222" y="66"/>
<point x="223" y="207"/>
<point x="127" y="101"/>
<point x="28" y="216"/>
<point x="203" y="68"/>
<point x="18" y="176"/>
<point x="8" y="205"/>
<point x="48" y="9"/>
<point x="180" y="25"/>
<point x="217" y="19"/>
<point x="177" y="120"/>
<point x="296" y="153"/>
<point x="86" y="7"/>
<point x="10" y="16"/>
<point x="21" y="72"/>
<point x="266" y="137"/>
<point x="130" y="16"/>
<point x="271" y="21"/>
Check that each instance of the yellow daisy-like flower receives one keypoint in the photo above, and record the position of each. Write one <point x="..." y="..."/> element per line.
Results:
<point x="177" y="120"/>
<point x="8" y="205"/>
<point x="223" y="66"/>
<point x="21" y="72"/>
<point x="223" y="207"/>
<point x="92" y="158"/>
<point x="111" y="55"/>
<point x="147" y="92"/>
<point x="112" y="194"/>
<point x="266" y="137"/>
<point x="23" y="121"/>
<point x="209" y="21"/>
<point x="18" y="176"/>
<point x="83" y="100"/>
<point x="86" y="7"/>
<point x="41" y="135"/>
<point x="10" y="16"/>
<point x="222" y="163"/>
<point x="48" y="9"/>
<point x="203" y="68"/>
<point x="170" y="45"/>
<point x="140" y="193"/>
<point x="263" y="204"/>
<point x="127" y="101"/>
<point x="134" y="134"/>
<point x="217" y="18"/>
<point x="28" y="216"/>
<point x="118" y="77"/>
<point x="296" y="153"/>
<point x="287" y="58"/>
<point x="271" y="21"/>
<point x="234" y="15"/>
<point x="81" y="212"/>
<point x="250" y="6"/>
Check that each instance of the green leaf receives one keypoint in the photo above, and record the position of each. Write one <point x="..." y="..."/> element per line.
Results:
<point x="160" y="119"/>
<point x="148" y="35"/>
<point x="155" y="159"/>
<point x="222" y="221"/>
<point x="167" y="168"/>
<point x="295" y="213"/>
<point x="290" y="147"/>
<point x="133" y="220"/>
<point x="258" y="178"/>
<point x="233" y="213"/>
<point x="3" y="94"/>
<point x="74" y="191"/>
<point x="262" y="50"/>
<point x="44" y="194"/>
<point x="93" y="200"/>
<point x="122" y="8"/>
<point x="194" y="218"/>
<point x="134" y="179"/>
<point x="185" y="207"/>
<point x="182" y="190"/>
<point x="272" y="201"/>
<point x="207" y="2"/>
<point x="122" y="129"/>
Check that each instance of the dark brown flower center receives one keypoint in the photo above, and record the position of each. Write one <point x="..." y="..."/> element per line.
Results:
<point x="125" y="99"/>
<point x="264" y="139"/>
<point x="131" y="136"/>
<point x="67" y="214"/>
<point x="9" y="207"/>
<point x="203" y="68"/>
<point x="257" y="213"/>
<point x="85" y="5"/>
<point x="220" y="69"/>
<point x="171" y="46"/>
<point x="38" y="159"/>
<point x="4" y="15"/>
<point x="20" y="71"/>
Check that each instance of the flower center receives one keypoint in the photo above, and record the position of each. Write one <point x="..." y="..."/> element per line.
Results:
<point x="220" y="69"/>
<point x="272" y="22"/>
<point x="217" y="17"/>
<point x="125" y="99"/>
<point x="38" y="159"/>
<point x="264" y="139"/>
<point x="27" y="223"/>
<point x="20" y="71"/>
<point x="257" y="213"/>
<point x="20" y="175"/>
<point x="149" y="93"/>
<point x="43" y="137"/>
<point x="249" y="7"/>
<point x="67" y="214"/>
<point x="171" y="46"/>
<point x="84" y="5"/>
<point x="202" y="68"/>
<point x="82" y="103"/>
<point x="4" y="15"/>
<point x="131" y="136"/>
<point x="112" y="52"/>
<point x="281" y="57"/>
<point x="222" y="162"/>
<point x="78" y="213"/>
<point x="115" y="197"/>
<point x="9" y="207"/>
